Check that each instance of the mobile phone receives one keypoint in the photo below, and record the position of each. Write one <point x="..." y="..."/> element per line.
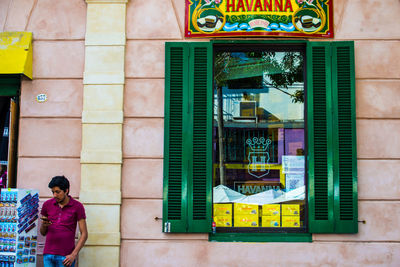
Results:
<point x="45" y="219"/>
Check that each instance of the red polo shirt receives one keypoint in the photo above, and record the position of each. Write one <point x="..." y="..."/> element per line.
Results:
<point x="60" y="237"/>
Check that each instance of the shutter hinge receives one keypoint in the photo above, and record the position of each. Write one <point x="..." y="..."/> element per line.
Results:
<point x="167" y="227"/>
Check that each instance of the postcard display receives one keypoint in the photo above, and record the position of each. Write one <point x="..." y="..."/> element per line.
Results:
<point x="19" y="210"/>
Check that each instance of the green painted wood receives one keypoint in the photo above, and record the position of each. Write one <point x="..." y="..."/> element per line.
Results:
<point x="175" y="177"/>
<point x="319" y="138"/>
<point x="10" y="84"/>
<point x="260" y="237"/>
<point x="188" y="138"/>
<point x="200" y="181"/>
<point x="345" y="172"/>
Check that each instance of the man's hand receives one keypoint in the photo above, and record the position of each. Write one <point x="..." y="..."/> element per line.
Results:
<point x="45" y="224"/>
<point x="45" y="221"/>
<point x="69" y="259"/>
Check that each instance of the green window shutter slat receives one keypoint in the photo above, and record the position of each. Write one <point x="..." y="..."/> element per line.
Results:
<point x="175" y="179"/>
<point x="200" y="186"/>
<point x="319" y="133"/>
<point x="345" y="175"/>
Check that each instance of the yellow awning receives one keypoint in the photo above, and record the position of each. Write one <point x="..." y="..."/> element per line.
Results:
<point x="16" y="53"/>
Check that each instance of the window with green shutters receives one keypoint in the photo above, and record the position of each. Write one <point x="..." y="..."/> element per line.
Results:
<point x="331" y="169"/>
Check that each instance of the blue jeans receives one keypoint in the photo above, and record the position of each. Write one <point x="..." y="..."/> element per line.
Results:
<point x="50" y="260"/>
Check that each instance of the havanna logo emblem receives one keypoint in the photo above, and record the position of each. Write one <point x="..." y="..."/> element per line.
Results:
<point x="207" y="16"/>
<point x="258" y="157"/>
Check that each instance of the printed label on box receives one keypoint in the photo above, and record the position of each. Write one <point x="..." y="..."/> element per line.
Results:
<point x="246" y="209"/>
<point x="222" y="209"/>
<point x="290" y="209"/>
<point x="271" y="209"/>
<point x="223" y="221"/>
<point x="271" y="221"/>
<point x="290" y="221"/>
<point x="246" y="220"/>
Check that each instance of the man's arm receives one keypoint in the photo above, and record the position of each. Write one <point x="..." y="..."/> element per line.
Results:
<point x="69" y="259"/>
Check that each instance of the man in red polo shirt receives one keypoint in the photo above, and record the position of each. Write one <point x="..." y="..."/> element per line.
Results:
<point x="61" y="214"/>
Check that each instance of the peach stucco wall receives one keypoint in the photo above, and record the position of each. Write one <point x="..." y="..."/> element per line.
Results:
<point x="374" y="26"/>
<point x="51" y="132"/>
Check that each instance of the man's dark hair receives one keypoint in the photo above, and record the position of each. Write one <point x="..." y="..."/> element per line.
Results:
<point x="59" y="181"/>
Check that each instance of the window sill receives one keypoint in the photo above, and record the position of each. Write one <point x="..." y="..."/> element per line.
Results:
<point x="260" y="237"/>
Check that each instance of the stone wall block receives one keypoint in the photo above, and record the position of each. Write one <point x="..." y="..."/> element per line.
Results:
<point x="18" y="15"/>
<point x="378" y="99"/>
<point x="61" y="59"/>
<point x="144" y="98"/>
<point x="37" y="173"/>
<point x="64" y="20"/>
<point x="101" y="143"/>
<point x="106" y="24"/>
<point x="377" y="59"/>
<point x="143" y="138"/>
<point x="368" y="19"/>
<point x="145" y="59"/>
<point x="378" y="179"/>
<point x="64" y="98"/>
<point x="152" y="19"/>
<point x="378" y="139"/>
<point x="142" y="178"/>
<point x="104" y="65"/>
<point x="93" y="256"/>
<point x="49" y="138"/>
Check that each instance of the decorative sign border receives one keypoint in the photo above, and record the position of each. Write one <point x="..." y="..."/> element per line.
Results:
<point x="249" y="18"/>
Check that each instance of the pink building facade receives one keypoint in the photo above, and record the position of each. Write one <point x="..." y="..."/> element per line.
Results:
<point x="52" y="137"/>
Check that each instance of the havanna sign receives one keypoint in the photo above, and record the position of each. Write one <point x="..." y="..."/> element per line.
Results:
<point x="228" y="18"/>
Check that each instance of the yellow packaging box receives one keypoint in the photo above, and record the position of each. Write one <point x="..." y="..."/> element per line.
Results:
<point x="271" y="210"/>
<point x="223" y="221"/>
<point x="222" y="209"/>
<point x="290" y="209"/>
<point x="246" y="220"/>
<point x="290" y="221"/>
<point x="271" y="221"/>
<point x="245" y="209"/>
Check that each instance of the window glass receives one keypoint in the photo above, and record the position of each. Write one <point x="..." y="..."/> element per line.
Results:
<point x="258" y="139"/>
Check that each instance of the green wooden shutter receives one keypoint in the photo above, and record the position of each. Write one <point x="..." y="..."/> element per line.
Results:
<point x="200" y="184"/>
<point x="187" y="141"/>
<point x="332" y="186"/>
<point x="345" y="172"/>
<point x="175" y="180"/>
<point x="319" y="132"/>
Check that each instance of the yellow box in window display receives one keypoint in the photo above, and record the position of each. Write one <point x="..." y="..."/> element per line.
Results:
<point x="271" y="210"/>
<point x="271" y="221"/>
<point x="223" y="221"/>
<point x="245" y="209"/>
<point x="222" y="209"/>
<point x="290" y="209"/>
<point x="290" y="221"/>
<point x="246" y="220"/>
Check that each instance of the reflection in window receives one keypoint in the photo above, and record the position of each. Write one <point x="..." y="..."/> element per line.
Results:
<point x="258" y="144"/>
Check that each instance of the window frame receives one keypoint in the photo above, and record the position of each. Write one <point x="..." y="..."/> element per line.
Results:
<point x="341" y="219"/>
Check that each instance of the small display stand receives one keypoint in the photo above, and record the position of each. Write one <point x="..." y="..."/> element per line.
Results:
<point x="19" y="213"/>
